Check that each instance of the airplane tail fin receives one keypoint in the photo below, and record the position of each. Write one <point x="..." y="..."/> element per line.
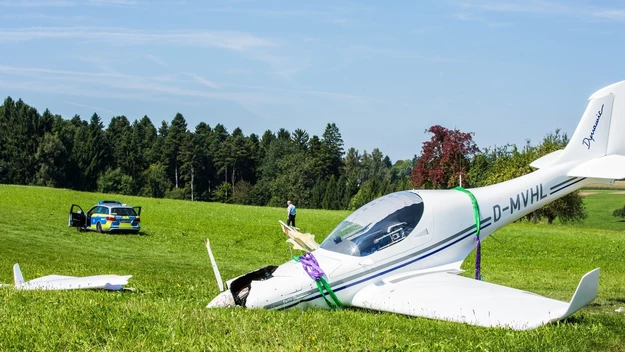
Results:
<point x="598" y="143"/>
<point x="17" y="275"/>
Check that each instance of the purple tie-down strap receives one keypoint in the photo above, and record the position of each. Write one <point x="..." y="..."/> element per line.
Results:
<point x="311" y="266"/>
<point x="478" y="259"/>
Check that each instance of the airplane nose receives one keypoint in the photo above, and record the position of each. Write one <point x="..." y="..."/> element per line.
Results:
<point x="223" y="300"/>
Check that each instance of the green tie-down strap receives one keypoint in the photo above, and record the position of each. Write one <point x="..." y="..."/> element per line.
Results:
<point x="478" y="250"/>
<point x="321" y="282"/>
<point x="476" y="209"/>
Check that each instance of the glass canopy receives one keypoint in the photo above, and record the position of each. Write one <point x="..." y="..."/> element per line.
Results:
<point x="376" y="225"/>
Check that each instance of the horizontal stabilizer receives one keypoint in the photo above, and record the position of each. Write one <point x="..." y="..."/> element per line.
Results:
<point x="455" y="298"/>
<point x="546" y="160"/>
<point x="609" y="167"/>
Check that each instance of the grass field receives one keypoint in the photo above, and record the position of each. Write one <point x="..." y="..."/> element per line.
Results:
<point x="174" y="281"/>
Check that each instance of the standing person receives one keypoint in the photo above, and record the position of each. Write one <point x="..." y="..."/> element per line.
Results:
<point x="290" y="210"/>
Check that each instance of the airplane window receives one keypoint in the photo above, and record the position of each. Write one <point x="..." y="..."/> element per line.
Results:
<point x="376" y="225"/>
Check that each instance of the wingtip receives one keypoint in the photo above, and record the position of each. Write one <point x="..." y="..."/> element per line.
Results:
<point x="585" y="293"/>
<point x="17" y="275"/>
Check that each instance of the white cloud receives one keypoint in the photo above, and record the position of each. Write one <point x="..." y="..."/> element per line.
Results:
<point x="237" y="41"/>
<point x="403" y="55"/>
<point x="25" y="3"/>
<point x="540" y="7"/>
<point x="269" y="13"/>
<point x="94" y="108"/>
<point x="86" y="83"/>
<point x="203" y="80"/>
<point x="617" y="15"/>
<point x="64" y="3"/>
<point x="155" y="59"/>
<point x="338" y="16"/>
<point x="30" y="15"/>
<point x="131" y="87"/>
<point x="343" y="22"/>
<point x="470" y="17"/>
<point x="523" y="6"/>
<point x="111" y="2"/>
<point x="344" y="97"/>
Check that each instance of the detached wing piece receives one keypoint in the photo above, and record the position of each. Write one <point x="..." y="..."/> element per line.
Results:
<point x="455" y="298"/>
<point x="301" y="241"/>
<point x="59" y="282"/>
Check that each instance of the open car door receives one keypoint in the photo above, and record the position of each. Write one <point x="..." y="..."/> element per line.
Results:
<point x="77" y="217"/>
<point x="138" y="210"/>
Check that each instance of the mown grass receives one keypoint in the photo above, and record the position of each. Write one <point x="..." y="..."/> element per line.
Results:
<point x="174" y="281"/>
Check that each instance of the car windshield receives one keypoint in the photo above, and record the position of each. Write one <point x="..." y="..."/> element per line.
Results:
<point x="377" y="225"/>
<point x="124" y="211"/>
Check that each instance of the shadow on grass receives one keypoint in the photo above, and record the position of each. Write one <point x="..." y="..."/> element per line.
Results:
<point x="140" y="233"/>
<point x="578" y="319"/>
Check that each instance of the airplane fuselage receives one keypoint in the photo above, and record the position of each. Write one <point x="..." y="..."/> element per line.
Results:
<point x="442" y="239"/>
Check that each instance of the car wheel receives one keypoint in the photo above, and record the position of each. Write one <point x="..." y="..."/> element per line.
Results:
<point x="98" y="228"/>
<point x="78" y="228"/>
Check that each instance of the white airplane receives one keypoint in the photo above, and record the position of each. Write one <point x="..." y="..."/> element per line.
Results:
<point x="59" y="282"/>
<point x="402" y="252"/>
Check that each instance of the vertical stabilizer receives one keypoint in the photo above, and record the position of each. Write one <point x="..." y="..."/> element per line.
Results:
<point x="598" y="144"/>
<point x="17" y="275"/>
<point x="592" y="135"/>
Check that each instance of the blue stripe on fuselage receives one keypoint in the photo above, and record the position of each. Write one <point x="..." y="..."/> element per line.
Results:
<point x="387" y="271"/>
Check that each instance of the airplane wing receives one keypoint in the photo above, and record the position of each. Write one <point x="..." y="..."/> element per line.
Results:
<point x="104" y="282"/>
<point x="446" y="296"/>
<point x="301" y="241"/>
<point x="61" y="282"/>
<point x="51" y="278"/>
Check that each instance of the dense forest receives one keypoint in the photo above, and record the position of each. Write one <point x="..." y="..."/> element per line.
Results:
<point x="212" y="164"/>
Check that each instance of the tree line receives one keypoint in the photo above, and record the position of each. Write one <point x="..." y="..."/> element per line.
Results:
<point x="208" y="164"/>
<point x="212" y="164"/>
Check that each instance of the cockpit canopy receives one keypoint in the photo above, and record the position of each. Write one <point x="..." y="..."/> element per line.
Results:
<point x="376" y="225"/>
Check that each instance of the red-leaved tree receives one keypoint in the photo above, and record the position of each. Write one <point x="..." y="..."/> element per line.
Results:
<point x="443" y="158"/>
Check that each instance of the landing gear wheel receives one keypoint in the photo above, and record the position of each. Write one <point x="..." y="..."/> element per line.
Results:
<point x="98" y="228"/>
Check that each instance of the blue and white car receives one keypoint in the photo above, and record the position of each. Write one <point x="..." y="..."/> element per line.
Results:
<point x="106" y="216"/>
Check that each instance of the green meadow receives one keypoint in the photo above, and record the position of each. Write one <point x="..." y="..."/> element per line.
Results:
<point x="173" y="281"/>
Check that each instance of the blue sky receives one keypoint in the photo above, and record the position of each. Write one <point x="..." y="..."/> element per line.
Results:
<point x="384" y="72"/>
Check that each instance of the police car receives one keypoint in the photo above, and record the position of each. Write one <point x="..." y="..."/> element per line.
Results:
<point x="106" y="216"/>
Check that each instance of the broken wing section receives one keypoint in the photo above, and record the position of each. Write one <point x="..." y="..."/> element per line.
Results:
<point x="304" y="242"/>
<point x="59" y="282"/>
<point x="445" y="296"/>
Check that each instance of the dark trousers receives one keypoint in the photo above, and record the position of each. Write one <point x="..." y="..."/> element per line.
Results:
<point x="291" y="220"/>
